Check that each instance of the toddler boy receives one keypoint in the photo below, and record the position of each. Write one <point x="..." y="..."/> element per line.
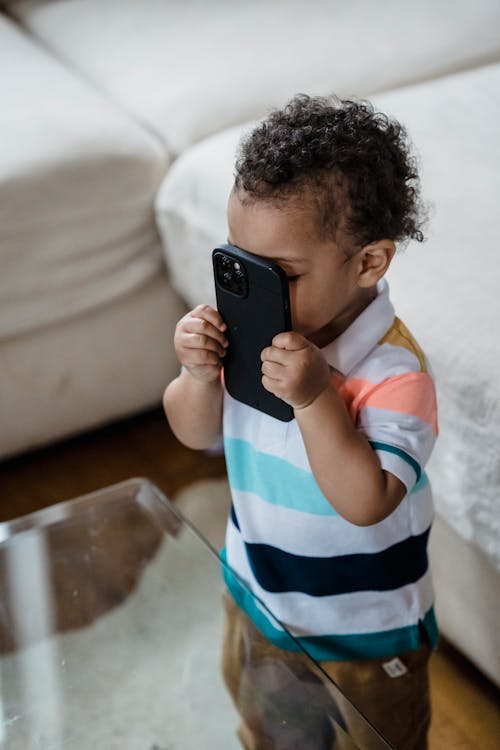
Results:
<point x="331" y="512"/>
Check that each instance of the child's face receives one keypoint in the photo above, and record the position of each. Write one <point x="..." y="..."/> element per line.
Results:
<point x="325" y="293"/>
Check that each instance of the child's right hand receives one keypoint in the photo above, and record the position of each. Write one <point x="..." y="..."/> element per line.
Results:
<point x="200" y="343"/>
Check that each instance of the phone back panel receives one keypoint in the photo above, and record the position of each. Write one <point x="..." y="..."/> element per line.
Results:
<point x="252" y="322"/>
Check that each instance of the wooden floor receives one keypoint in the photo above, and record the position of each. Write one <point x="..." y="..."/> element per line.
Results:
<point x="466" y="706"/>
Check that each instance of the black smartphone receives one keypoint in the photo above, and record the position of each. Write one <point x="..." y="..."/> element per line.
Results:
<point x="252" y="298"/>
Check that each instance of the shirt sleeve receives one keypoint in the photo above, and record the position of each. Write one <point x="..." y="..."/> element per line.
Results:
<point x="399" y="419"/>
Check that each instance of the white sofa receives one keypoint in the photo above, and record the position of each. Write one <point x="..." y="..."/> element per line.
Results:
<point x="118" y="128"/>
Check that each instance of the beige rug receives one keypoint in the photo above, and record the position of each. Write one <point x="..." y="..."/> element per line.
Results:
<point x="144" y="676"/>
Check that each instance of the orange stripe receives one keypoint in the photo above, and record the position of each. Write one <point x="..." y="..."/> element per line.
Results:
<point x="411" y="393"/>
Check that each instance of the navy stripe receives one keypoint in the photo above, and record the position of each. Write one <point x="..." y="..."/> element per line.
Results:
<point x="344" y="647"/>
<point x="278" y="571"/>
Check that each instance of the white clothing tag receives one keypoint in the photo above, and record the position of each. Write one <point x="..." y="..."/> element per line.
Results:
<point x="395" y="667"/>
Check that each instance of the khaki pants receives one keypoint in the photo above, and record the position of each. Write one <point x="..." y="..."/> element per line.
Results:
<point x="286" y="703"/>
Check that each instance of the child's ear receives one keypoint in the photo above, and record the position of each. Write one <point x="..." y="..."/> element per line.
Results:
<point x="374" y="261"/>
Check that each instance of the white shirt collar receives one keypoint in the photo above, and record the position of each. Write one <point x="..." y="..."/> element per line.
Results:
<point x="348" y="349"/>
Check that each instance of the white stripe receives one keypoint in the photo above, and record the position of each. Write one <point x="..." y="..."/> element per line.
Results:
<point x="268" y="435"/>
<point x="324" y="536"/>
<point x="284" y="440"/>
<point x="421" y="509"/>
<point x="342" y="614"/>
<point x="386" y="361"/>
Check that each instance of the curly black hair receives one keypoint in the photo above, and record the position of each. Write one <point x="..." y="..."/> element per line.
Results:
<point x="356" y="159"/>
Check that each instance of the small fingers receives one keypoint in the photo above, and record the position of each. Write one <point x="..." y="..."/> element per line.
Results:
<point x="201" y="332"/>
<point x="205" y="312"/>
<point x="274" y="354"/>
<point x="272" y="370"/>
<point x="202" y="341"/>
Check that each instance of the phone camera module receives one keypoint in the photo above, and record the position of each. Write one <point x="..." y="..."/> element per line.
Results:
<point x="231" y="275"/>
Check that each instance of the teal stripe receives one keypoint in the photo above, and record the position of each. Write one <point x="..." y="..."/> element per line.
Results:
<point x="273" y="479"/>
<point x="378" y="645"/>
<point x="398" y="452"/>
<point x="421" y="483"/>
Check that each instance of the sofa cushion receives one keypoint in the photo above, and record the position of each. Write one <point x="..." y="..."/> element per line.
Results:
<point x="83" y="372"/>
<point x="446" y="290"/>
<point x="77" y="180"/>
<point x="188" y="69"/>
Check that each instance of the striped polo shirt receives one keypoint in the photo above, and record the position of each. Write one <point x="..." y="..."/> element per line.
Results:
<point x="343" y="591"/>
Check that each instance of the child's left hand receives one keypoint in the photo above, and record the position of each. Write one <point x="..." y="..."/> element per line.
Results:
<point x="294" y="369"/>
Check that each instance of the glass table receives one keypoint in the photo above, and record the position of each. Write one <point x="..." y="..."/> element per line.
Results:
<point x="111" y="630"/>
